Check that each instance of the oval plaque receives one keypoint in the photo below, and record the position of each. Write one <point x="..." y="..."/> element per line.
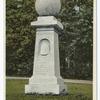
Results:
<point x="44" y="47"/>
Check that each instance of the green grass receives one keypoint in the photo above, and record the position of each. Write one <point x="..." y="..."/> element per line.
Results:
<point x="15" y="91"/>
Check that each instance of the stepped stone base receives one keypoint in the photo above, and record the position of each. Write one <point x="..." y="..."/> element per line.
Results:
<point x="45" y="86"/>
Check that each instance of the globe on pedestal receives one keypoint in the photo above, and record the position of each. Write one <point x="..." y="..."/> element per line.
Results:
<point x="48" y="7"/>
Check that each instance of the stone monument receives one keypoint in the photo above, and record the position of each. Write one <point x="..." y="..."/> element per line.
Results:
<point x="46" y="77"/>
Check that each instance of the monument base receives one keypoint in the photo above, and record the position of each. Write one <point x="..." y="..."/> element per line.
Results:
<point x="45" y="86"/>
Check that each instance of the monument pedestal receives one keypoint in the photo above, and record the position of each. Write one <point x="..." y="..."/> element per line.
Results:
<point x="46" y="77"/>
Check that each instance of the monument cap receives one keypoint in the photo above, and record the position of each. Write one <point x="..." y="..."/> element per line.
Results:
<point x="48" y="7"/>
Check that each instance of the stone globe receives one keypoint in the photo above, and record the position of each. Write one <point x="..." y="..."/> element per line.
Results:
<point x="48" y="7"/>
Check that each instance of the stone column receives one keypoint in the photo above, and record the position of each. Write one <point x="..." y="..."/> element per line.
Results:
<point x="46" y="77"/>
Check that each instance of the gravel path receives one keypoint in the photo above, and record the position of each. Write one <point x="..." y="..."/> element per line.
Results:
<point x="65" y="80"/>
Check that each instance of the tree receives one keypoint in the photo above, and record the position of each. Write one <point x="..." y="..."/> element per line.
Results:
<point x="77" y="41"/>
<point x="20" y="37"/>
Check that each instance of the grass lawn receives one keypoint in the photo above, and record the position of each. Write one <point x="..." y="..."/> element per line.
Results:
<point x="15" y="91"/>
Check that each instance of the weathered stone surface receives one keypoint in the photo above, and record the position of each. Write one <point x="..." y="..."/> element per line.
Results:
<point x="48" y="7"/>
<point x="46" y="73"/>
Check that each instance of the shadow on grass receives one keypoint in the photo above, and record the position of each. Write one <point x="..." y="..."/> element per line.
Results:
<point x="47" y="97"/>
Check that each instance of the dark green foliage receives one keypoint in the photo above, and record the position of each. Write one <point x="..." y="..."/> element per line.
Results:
<point x="20" y="37"/>
<point x="76" y="43"/>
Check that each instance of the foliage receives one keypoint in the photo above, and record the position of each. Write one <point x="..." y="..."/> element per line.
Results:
<point x="20" y="37"/>
<point x="76" y="92"/>
<point x="76" y="43"/>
